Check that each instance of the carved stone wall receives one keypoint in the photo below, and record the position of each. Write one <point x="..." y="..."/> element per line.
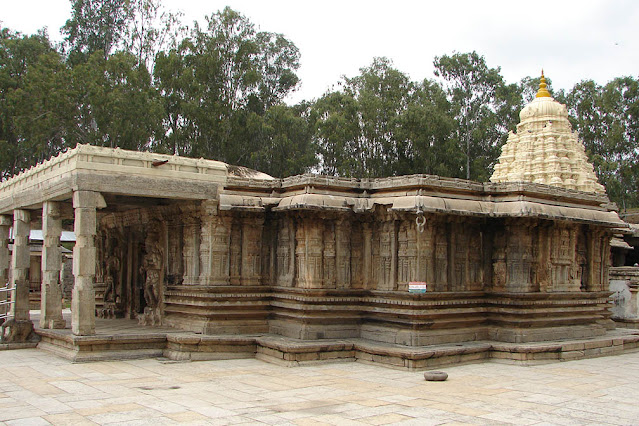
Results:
<point x="311" y="274"/>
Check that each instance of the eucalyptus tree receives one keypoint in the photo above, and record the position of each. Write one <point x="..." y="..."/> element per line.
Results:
<point x="215" y="79"/>
<point x="484" y="108"/>
<point x="606" y="118"/>
<point x="117" y="105"/>
<point x="380" y="123"/>
<point x="96" y="26"/>
<point x="36" y="105"/>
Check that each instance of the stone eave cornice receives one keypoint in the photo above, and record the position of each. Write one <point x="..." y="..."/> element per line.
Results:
<point x="430" y="194"/>
<point x="116" y="171"/>
<point x="416" y="185"/>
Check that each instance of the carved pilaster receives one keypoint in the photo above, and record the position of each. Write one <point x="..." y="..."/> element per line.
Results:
<point x="475" y="259"/>
<point x="562" y="256"/>
<point x="519" y="257"/>
<point x="235" y="252"/>
<point x="441" y="257"/>
<point x="407" y="254"/>
<point x="367" y="256"/>
<point x="51" y="294"/>
<point x="387" y="264"/>
<point x="208" y="225"/>
<point x="357" y="256"/>
<point x="459" y="247"/>
<point x="425" y="253"/>
<point x="343" y="253"/>
<point x="285" y="253"/>
<point x="252" y="250"/>
<point x="598" y="247"/>
<point x="191" y="249"/>
<point x="329" y="256"/>
<point x="309" y="253"/>
<point x="219" y="252"/>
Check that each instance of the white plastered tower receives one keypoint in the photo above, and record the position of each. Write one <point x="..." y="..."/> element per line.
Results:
<point x="545" y="149"/>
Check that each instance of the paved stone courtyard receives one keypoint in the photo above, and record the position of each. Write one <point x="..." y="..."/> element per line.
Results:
<point x="39" y="388"/>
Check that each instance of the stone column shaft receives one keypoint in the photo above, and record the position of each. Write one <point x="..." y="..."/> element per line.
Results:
<point x="20" y="262"/>
<point x="51" y="294"/>
<point x="5" y="226"/>
<point x="84" y="258"/>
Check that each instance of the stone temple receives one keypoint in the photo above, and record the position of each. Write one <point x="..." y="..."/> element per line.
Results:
<point x="236" y="263"/>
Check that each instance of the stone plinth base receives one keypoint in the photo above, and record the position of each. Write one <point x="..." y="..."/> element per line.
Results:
<point x="14" y="331"/>
<point x="293" y="352"/>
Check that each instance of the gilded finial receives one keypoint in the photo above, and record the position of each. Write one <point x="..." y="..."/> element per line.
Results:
<point x="543" y="91"/>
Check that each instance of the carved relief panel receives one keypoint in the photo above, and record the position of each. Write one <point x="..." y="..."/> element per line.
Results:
<point x="309" y="252"/>
<point x="285" y="253"/>
<point x="329" y="263"/>
<point x="219" y="251"/>
<point x="343" y="253"/>
<point x="499" y="260"/>
<point x="441" y="257"/>
<point x="235" y="253"/>
<point x="357" y="256"/>
<point x="562" y="257"/>
<point x="175" y="270"/>
<point x="384" y="266"/>
<point x="407" y="254"/>
<point x="425" y="256"/>
<point x="519" y="256"/>
<point x="459" y="240"/>
<point x="251" y="270"/>
<point x="191" y="250"/>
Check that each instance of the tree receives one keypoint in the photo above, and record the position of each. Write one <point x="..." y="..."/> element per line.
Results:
<point x="337" y="134"/>
<point x="383" y="124"/>
<point x="215" y="80"/>
<point x="151" y="29"/>
<point x="116" y="104"/>
<point x="34" y="101"/>
<point x="484" y="108"/>
<point x="96" y="26"/>
<point x="606" y="120"/>
<point x="284" y="141"/>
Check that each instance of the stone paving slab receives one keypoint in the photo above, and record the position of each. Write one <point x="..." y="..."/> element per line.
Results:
<point x="38" y="388"/>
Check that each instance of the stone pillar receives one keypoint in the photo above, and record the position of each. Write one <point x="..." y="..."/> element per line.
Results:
<point x="5" y="225"/>
<point x="20" y="328"/>
<point x="51" y="295"/>
<point x="20" y="262"/>
<point x="84" y="258"/>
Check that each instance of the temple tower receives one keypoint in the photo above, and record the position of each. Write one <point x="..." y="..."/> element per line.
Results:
<point x="545" y="149"/>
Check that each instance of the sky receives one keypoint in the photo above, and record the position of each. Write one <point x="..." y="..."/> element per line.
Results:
<point x="571" y="40"/>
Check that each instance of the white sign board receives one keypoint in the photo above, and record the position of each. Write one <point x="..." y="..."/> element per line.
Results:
<point x="417" y="287"/>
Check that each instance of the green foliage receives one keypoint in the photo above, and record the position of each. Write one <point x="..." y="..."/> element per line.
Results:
<point x="96" y="26"/>
<point x="218" y="82"/>
<point x="606" y="119"/>
<point x="132" y="77"/>
<point x="116" y="103"/>
<point x="283" y="137"/>
<point x="382" y="124"/>
<point x="34" y="108"/>
<point x="484" y="109"/>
